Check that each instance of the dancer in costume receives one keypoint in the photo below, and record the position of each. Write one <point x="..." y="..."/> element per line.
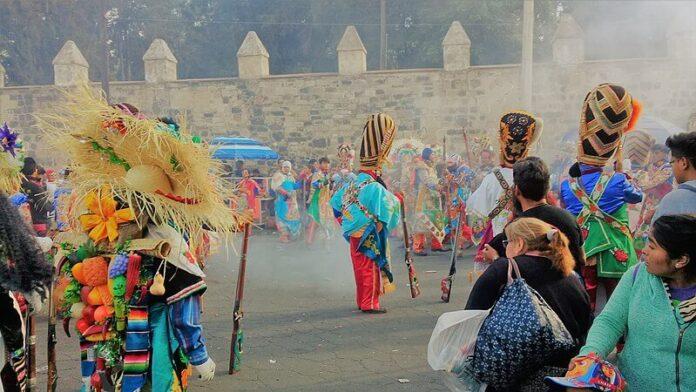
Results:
<point x="287" y="212"/>
<point x="489" y="208"/>
<point x="655" y="180"/>
<point x="344" y="175"/>
<point x="368" y="212"/>
<point x="431" y="221"/>
<point x="458" y="178"/>
<point x="596" y="194"/>
<point x="251" y="192"/>
<point x="319" y="210"/>
<point x="24" y="270"/>
<point x="130" y="276"/>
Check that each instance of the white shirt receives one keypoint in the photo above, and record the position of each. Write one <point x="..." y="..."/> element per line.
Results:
<point x="484" y="199"/>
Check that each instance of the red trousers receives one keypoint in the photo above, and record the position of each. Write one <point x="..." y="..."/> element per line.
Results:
<point x="367" y="278"/>
<point x="592" y="281"/>
<point x="419" y="242"/>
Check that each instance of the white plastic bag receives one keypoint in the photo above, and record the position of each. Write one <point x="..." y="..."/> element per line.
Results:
<point x="452" y="344"/>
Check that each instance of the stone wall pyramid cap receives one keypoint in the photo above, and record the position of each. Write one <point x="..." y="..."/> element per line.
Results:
<point x="70" y="54"/>
<point x="456" y="35"/>
<point x="252" y="46"/>
<point x="568" y="28"/>
<point x="351" y="41"/>
<point x="159" y="50"/>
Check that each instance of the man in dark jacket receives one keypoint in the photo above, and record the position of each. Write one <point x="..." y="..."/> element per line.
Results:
<point x="39" y="203"/>
<point x="532" y="181"/>
<point x="683" y="199"/>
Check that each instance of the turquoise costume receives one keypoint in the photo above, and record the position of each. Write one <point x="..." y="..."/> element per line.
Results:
<point x="361" y="205"/>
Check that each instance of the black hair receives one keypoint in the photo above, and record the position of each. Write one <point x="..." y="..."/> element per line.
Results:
<point x="676" y="234"/>
<point x="683" y="145"/>
<point x="312" y="161"/>
<point x="29" y="166"/>
<point x="531" y="176"/>
<point x="29" y="269"/>
<point x="324" y="160"/>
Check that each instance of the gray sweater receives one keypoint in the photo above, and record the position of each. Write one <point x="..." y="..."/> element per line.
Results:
<point x="680" y="201"/>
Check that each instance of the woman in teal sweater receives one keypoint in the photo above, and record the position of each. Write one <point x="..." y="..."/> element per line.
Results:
<point x="654" y="305"/>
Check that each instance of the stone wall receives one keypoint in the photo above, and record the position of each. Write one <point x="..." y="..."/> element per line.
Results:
<point x="308" y="115"/>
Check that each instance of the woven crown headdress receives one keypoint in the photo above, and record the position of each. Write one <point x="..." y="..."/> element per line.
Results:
<point x="378" y="135"/>
<point x="518" y="132"/>
<point x="608" y="112"/>
<point x="155" y="166"/>
<point x="637" y="147"/>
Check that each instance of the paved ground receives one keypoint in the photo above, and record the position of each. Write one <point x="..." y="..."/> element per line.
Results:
<point x="303" y="332"/>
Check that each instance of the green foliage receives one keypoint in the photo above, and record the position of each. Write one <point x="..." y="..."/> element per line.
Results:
<point x="302" y="35"/>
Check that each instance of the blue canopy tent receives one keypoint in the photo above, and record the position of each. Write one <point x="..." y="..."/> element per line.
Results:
<point x="233" y="148"/>
<point x="653" y="126"/>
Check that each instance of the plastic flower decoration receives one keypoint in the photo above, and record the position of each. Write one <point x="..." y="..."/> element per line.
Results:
<point x="8" y="139"/>
<point x="104" y="219"/>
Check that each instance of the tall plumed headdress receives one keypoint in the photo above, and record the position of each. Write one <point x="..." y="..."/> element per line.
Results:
<point x="518" y="132"/>
<point x="608" y="112"/>
<point x="346" y="155"/>
<point x="10" y="175"/>
<point x="377" y="138"/>
<point x="156" y="167"/>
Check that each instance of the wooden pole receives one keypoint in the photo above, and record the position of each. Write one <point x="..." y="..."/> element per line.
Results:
<point x="237" y="314"/>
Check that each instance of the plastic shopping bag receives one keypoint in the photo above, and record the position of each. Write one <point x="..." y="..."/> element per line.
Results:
<point x="452" y="345"/>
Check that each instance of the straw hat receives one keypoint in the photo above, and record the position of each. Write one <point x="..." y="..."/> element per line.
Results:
<point x="155" y="166"/>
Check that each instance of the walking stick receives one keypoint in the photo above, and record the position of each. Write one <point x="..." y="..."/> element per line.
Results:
<point x="412" y="277"/>
<point x="237" y="333"/>
<point x="31" y="352"/>
<point x="446" y="284"/>
<point x="52" y="375"/>
<point x="468" y="149"/>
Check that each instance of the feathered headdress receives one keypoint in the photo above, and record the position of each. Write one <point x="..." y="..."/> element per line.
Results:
<point x="156" y="167"/>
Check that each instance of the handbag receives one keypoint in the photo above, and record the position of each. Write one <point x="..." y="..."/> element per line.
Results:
<point x="521" y="335"/>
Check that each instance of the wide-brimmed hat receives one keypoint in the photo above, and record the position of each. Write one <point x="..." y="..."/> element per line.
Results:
<point x="155" y="166"/>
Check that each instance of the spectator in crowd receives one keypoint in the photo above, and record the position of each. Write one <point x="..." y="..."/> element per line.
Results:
<point x="546" y="264"/>
<point x="532" y="182"/>
<point x="683" y="199"/>
<point x="654" y="307"/>
<point x="33" y="188"/>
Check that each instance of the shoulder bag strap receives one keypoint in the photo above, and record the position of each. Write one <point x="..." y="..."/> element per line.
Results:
<point x="512" y="264"/>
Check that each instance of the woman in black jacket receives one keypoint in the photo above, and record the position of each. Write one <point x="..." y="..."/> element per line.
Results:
<point x="546" y="264"/>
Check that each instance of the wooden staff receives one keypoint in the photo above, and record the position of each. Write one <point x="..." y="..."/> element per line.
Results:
<point x="468" y="149"/>
<point x="31" y="351"/>
<point x="52" y="340"/>
<point x="412" y="277"/>
<point x="237" y="335"/>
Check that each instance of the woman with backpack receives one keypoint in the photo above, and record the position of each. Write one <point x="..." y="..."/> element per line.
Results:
<point x="654" y="306"/>
<point x="546" y="264"/>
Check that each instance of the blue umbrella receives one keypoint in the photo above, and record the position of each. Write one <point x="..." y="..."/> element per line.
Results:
<point x="653" y="126"/>
<point x="233" y="148"/>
